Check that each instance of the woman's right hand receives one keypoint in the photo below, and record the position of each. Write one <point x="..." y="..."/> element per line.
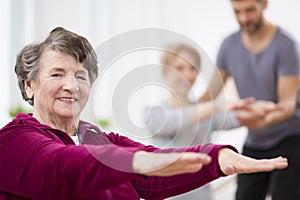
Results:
<point x="168" y="164"/>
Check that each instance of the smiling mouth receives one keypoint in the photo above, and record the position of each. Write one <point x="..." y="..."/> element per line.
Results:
<point x="67" y="99"/>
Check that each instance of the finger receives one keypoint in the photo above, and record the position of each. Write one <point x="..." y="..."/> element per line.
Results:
<point x="205" y="159"/>
<point x="246" y="118"/>
<point x="202" y="159"/>
<point x="279" y="162"/>
<point x="265" y="165"/>
<point x="258" y="110"/>
<point x="191" y="156"/>
<point x="248" y="100"/>
<point x="270" y="106"/>
<point x="242" y="104"/>
<point x="194" y="158"/>
<point x="193" y="168"/>
<point x="238" y="106"/>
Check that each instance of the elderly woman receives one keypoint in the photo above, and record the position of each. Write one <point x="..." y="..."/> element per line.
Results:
<point x="38" y="152"/>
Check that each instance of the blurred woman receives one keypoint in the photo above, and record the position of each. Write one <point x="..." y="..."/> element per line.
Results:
<point x="178" y="121"/>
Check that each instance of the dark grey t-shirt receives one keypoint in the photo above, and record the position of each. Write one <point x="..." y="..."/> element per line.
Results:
<point x="257" y="75"/>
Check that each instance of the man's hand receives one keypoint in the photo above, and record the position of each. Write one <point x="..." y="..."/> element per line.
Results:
<point x="258" y="114"/>
<point x="240" y="104"/>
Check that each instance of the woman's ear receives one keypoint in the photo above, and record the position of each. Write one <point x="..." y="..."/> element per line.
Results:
<point x="28" y="88"/>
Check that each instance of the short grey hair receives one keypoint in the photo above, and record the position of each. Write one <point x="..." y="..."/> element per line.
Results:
<point x="61" y="40"/>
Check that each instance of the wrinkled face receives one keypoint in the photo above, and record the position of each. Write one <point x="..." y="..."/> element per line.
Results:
<point x="62" y="87"/>
<point x="181" y="74"/>
<point x="249" y="14"/>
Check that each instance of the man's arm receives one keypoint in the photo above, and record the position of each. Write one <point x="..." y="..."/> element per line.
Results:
<point x="263" y="113"/>
<point x="287" y="95"/>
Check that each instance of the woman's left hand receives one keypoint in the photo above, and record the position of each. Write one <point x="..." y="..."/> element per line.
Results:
<point x="231" y="162"/>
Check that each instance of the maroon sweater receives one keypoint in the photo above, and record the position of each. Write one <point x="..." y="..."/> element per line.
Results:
<point x="39" y="162"/>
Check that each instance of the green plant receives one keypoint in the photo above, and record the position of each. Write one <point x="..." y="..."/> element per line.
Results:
<point x="103" y="123"/>
<point x="15" y="110"/>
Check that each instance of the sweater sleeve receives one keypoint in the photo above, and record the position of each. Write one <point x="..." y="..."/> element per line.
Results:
<point x="224" y="121"/>
<point x="37" y="167"/>
<point x="166" y="120"/>
<point x="163" y="187"/>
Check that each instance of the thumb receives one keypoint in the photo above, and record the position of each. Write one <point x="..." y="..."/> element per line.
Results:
<point x="228" y="170"/>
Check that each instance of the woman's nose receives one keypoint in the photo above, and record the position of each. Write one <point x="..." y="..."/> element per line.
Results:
<point x="188" y="74"/>
<point x="70" y="83"/>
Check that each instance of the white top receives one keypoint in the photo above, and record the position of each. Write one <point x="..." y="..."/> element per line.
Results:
<point x="173" y="127"/>
<point x="75" y="139"/>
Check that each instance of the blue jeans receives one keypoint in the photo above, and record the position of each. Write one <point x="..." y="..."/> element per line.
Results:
<point x="281" y="184"/>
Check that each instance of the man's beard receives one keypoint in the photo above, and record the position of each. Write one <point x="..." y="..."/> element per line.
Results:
<point x="257" y="26"/>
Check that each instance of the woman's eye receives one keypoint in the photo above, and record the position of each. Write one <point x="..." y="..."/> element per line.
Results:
<point x="82" y="78"/>
<point x="56" y="75"/>
<point x="179" y="68"/>
<point x="193" y="69"/>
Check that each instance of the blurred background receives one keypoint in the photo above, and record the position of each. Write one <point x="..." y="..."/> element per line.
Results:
<point x="204" y="22"/>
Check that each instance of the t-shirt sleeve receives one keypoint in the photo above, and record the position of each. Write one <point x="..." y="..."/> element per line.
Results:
<point x="224" y="121"/>
<point x="163" y="187"/>
<point x="288" y="58"/>
<point x="221" y="57"/>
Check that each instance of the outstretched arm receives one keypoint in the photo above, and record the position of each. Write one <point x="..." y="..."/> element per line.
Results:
<point x="168" y="164"/>
<point x="230" y="162"/>
<point x="175" y="173"/>
<point x="215" y="85"/>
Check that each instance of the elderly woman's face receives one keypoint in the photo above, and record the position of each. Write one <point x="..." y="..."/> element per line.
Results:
<point x="62" y="87"/>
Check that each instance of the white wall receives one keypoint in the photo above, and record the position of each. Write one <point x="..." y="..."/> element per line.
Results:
<point x="4" y="62"/>
<point x="205" y="22"/>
